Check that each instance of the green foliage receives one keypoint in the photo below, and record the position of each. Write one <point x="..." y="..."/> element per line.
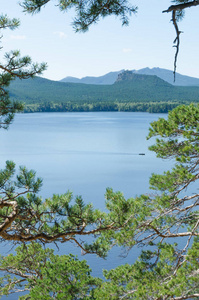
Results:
<point x="179" y="140"/>
<point x="26" y="217"/>
<point x="87" y="12"/>
<point x="148" y="280"/>
<point x="45" y="275"/>
<point x="5" y="22"/>
<point x="13" y="67"/>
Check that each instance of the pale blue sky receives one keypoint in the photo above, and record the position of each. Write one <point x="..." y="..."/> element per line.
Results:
<point x="107" y="46"/>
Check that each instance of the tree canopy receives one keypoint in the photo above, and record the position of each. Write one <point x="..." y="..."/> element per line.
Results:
<point x="87" y="12"/>
<point x="166" y="223"/>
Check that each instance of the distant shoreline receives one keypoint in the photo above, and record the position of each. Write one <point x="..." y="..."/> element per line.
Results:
<point x="160" y="107"/>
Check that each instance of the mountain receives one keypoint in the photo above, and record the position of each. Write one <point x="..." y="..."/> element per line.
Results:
<point x="110" y="78"/>
<point x="130" y="87"/>
<point x="167" y="75"/>
<point x="141" y="80"/>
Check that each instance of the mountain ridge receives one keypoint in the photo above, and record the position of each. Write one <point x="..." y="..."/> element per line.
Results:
<point x="111" y="77"/>
<point x="106" y="79"/>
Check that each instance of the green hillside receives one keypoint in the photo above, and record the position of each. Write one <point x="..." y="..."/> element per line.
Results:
<point x="129" y="88"/>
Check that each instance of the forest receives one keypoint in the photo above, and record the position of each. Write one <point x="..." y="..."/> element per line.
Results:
<point x="151" y="107"/>
<point x="131" y="92"/>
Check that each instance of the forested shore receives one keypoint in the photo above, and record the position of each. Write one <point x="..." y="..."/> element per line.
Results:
<point x="151" y="107"/>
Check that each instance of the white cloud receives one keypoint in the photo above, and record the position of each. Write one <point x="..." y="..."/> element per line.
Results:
<point x="60" y="34"/>
<point x="126" y="50"/>
<point x="18" y="37"/>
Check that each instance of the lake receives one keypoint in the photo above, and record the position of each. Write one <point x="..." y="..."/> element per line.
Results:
<point x="85" y="153"/>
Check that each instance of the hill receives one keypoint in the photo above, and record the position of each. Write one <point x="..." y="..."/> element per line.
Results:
<point x="128" y="88"/>
<point x="110" y="78"/>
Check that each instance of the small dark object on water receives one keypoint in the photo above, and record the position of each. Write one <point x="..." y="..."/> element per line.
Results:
<point x="141" y="153"/>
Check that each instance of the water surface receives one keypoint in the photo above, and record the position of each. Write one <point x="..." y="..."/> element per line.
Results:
<point x="85" y="153"/>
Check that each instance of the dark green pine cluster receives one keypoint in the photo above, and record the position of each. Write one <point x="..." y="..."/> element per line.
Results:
<point x="87" y="12"/>
<point x="13" y="67"/>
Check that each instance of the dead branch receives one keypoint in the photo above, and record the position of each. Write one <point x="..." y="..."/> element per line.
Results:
<point x="176" y="42"/>
<point x="181" y="6"/>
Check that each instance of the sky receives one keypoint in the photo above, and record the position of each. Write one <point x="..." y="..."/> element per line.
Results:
<point x="108" y="46"/>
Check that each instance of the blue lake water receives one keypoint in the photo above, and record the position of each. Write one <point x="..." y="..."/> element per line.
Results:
<point x="85" y="153"/>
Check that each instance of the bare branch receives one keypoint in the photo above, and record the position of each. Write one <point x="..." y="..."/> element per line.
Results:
<point x="176" y="41"/>
<point x="174" y="9"/>
<point x="186" y="297"/>
<point x="181" y="6"/>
